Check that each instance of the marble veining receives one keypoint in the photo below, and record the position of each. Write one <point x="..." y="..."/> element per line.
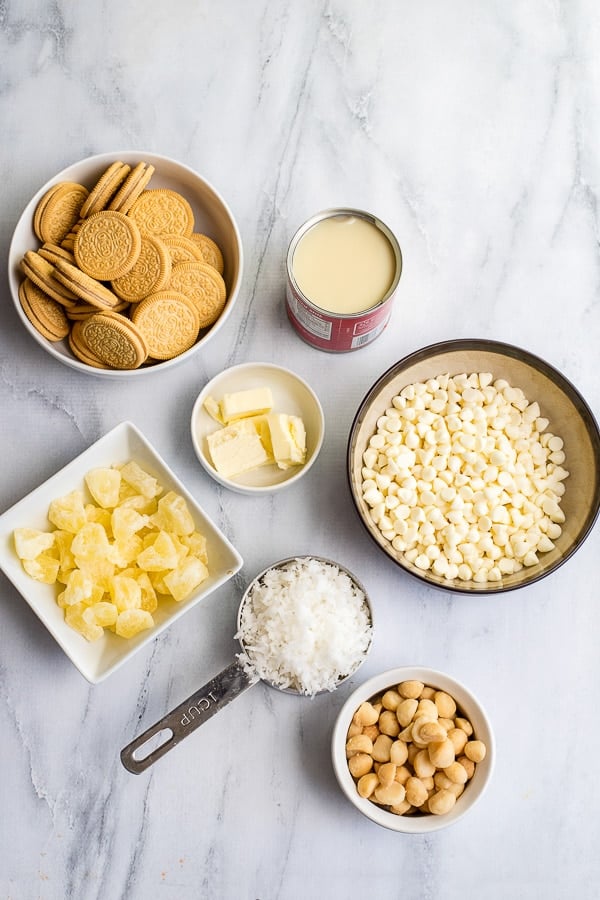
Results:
<point x="473" y="131"/>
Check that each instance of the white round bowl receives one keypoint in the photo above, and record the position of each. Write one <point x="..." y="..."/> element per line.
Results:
<point x="212" y="216"/>
<point x="466" y="702"/>
<point x="291" y="394"/>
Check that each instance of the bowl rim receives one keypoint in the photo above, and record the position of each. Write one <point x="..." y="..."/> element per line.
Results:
<point x="514" y="352"/>
<point x="374" y="685"/>
<point x="126" y="156"/>
<point x="257" y="489"/>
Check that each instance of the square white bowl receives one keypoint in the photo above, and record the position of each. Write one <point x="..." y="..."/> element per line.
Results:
<point x="96" y="660"/>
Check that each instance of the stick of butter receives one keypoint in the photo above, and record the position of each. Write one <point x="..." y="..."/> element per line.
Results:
<point x="288" y="438"/>
<point x="238" y="447"/>
<point x="241" y="404"/>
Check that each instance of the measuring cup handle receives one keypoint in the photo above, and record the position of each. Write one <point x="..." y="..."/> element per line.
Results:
<point x="188" y="716"/>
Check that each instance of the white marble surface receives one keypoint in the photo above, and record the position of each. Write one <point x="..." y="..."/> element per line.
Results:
<point x="473" y="129"/>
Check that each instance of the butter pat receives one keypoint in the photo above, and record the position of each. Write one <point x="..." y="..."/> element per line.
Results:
<point x="242" y="404"/>
<point x="213" y="408"/>
<point x="288" y="439"/>
<point x="238" y="448"/>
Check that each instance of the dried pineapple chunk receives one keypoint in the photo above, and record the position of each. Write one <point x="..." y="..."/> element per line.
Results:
<point x="68" y="512"/>
<point x="180" y="547"/>
<point x="63" y="541"/>
<point x="173" y="515"/>
<point x="186" y="577"/>
<point x="162" y="554"/>
<point x="157" y="580"/>
<point x="29" y="542"/>
<point x="99" y="570"/>
<point x="96" y="596"/>
<point x="90" y="543"/>
<point x="79" y="588"/>
<point x="196" y="543"/>
<point x="101" y="516"/>
<point x="131" y="621"/>
<point x="43" y="568"/>
<point x="125" y="593"/>
<point x="149" y="600"/>
<point x="105" y="614"/>
<point x="144" y="505"/>
<point x="78" y="617"/>
<point x="103" y="484"/>
<point x="126" y="521"/>
<point x="126" y="550"/>
<point x="137" y="478"/>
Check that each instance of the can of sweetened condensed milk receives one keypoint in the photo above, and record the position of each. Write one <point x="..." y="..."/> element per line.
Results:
<point x="343" y="268"/>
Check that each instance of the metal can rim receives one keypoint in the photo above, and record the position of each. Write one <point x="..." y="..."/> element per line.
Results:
<point x="329" y="214"/>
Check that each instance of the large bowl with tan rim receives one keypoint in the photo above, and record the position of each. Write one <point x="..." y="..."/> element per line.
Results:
<point x="568" y="415"/>
<point x="212" y="216"/>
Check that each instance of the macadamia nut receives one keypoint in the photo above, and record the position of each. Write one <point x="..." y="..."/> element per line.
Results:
<point x="411" y="689"/>
<point x="366" y="714"/>
<point x="441" y="802"/>
<point x="405" y="711"/>
<point x="475" y="750"/>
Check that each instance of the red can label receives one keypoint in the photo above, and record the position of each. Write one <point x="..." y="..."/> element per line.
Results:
<point x="331" y="332"/>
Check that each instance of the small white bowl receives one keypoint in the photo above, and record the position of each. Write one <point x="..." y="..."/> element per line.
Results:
<point x="291" y="394"/>
<point x="100" y="658"/>
<point x="467" y="703"/>
<point x="212" y="216"/>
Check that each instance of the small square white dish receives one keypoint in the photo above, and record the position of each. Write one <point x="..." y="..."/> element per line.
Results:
<point x="291" y="395"/>
<point x="99" y="659"/>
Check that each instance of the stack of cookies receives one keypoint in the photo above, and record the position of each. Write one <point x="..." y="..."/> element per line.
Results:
<point x="121" y="273"/>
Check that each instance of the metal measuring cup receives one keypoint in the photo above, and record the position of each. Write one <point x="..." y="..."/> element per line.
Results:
<point x="216" y="694"/>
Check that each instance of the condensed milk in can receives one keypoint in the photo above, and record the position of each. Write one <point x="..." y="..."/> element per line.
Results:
<point x="343" y="269"/>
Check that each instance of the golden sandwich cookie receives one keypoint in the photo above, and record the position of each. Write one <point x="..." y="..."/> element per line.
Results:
<point x="204" y="286"/>
<point x="105" y="188"/>
<point x="210" y="250"/>
<point x="150" y="273"/>
<point x="132" y="187"/>
<point x="80" y="349"/>
<point x="181" y="248"/>
<point x="58" y="210"/>
<point x="41" y="205"/>
<point x="107" y="245"/>
<point x="168" y="323"/>
<point x="44" y="274"/>
<point x="46" y="315"/>
<point x="162" y="211"/>
<point x="51" y="252"/>
<point x="84" y="286"/>
<point x="83" y="310"/>
<point x="115" y="340"/>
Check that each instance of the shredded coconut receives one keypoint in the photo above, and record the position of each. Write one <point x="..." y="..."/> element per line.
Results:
<point x="304" y="626"/>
